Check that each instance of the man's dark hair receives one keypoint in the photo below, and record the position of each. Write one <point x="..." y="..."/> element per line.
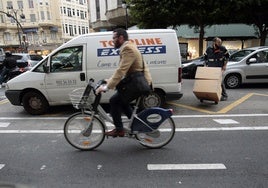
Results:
<point x="121" y="31"/>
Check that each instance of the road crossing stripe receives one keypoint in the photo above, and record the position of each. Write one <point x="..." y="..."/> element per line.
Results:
<point x="4" y="124"/>
<point x="2" y="166"/>
<point x="215" y="166"/>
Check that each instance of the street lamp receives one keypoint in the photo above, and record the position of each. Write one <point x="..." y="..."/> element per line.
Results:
<point x="125" y="6"/>
<point x="15" y="17"/>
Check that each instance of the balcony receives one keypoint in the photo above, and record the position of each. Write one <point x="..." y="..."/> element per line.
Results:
<point x="116" y="16"/>
<point x="101" y="24"/>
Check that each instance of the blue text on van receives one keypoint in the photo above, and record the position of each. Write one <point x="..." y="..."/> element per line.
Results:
<point x="103" y="52"/>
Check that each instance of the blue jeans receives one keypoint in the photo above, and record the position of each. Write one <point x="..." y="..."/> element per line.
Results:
<point x="117" y="107"/>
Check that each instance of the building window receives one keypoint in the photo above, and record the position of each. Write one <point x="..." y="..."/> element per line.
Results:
<point x="1" y="19"/>
<point x="83" y="30"/>
<point x="32" y="17"/>
<point x="75" y="31"/>
<point x="48" y="15"/>
<point x="82" y="16"/>
<point x="79" y="30"/>
<point x="31" y="4"/>
<point x="73" y="12"/>
<point x="97" y="9"/>
<point x="69" y="12"/>
<point x="78" y="13"/>
<point x="53" y="35"/>
<point x="71" y="30"/>
<point x="20" y="4"/>
<point x="64" y="10"/>
<point x="66" y="28"/>
<point x="9" y="4"/>
<point x="7" y="37"/>
<point x="42" y="14"/>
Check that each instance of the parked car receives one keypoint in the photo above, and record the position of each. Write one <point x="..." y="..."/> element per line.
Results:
<point x="249" y="65"/>
<point x="189" y="67"/>
<point x="27" y="60"/>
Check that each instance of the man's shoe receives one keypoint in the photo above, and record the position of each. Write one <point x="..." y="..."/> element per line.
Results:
<point x="223" y="98"/>
<point x="115" y="133"/>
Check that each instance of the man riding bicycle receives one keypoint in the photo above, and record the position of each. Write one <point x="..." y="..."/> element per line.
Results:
<point x="130" y="61"/>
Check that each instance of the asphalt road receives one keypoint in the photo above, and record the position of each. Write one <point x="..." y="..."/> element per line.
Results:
<point x="219" y="146"/>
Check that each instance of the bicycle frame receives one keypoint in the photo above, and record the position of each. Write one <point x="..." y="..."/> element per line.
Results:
<point x="100" y="112"/>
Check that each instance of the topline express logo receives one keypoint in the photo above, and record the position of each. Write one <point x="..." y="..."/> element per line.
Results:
<point x="146" y="46"/>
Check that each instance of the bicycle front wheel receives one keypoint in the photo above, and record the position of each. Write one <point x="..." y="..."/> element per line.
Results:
<point x="83" y="131"/>
<point x="159" y="137"/>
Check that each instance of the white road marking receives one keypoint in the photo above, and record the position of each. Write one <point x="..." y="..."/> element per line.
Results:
<point x="2" y="125"/>
<point x="264" y="128"/>
<point x="226" y="121"/>
<point x="174" y="116"/>
<point x="204" y="129"/>
<point x="213" y="166"/>
<point x="2" y="166"/>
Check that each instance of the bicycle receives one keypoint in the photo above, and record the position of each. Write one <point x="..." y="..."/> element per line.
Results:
<point x="85" y="130"/>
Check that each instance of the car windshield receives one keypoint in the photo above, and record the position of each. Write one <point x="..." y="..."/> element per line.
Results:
<point x="237" y="56"/>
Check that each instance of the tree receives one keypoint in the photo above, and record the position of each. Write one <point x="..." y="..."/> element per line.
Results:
<point x="200" y="14"/>
<point x="255" y="12"/>
<point x="165" y="13"/>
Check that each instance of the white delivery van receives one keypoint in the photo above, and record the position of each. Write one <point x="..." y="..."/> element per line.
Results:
<point x="93" y="55"/>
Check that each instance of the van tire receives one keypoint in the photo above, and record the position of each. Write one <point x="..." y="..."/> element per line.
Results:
<point x="154" y="99"/>
<point x="35" y="103"/>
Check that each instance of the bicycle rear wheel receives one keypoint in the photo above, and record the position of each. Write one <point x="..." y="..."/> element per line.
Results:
<point x="82" y="132"/>
<point x="159" y="137"/>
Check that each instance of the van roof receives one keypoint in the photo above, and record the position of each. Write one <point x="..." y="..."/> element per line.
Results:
<point x="139" y="31"/>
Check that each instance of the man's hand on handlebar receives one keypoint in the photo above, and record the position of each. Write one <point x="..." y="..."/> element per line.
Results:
<point x="102" y="86"/>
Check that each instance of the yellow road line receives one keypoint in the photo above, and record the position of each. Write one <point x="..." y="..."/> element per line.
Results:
<point x="4" y="101"/>
<point x="236" y="103"/>
<point x="192" y="108"/>
<point x="225" y="109"/>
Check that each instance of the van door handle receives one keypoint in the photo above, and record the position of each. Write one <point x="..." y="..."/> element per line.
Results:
<point x="82" y="76"/>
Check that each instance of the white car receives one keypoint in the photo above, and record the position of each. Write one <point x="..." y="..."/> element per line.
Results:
<point x="27" y="60"/>
<point x="249" y="65"/>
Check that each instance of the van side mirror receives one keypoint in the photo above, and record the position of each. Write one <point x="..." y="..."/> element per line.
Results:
<point x="46" y="68"/>
<point x="251" y="60"/>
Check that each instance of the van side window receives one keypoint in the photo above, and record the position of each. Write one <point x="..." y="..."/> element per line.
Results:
<point x="66" y="60"/>
<point x="40" y="68"/>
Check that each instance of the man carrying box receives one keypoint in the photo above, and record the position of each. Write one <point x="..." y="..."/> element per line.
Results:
<point x="217" y="56"/>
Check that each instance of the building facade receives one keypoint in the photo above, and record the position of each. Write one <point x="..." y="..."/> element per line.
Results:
<point x="44" y="24"/>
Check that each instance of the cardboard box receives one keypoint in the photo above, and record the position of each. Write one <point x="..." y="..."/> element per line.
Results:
<point x="208" y="73"/>
<point x="208" y="90"/>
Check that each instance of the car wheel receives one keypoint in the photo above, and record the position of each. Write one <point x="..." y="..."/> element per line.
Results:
<point x="232" y="81"/>
<point x="154" y="99"/>
<point x="35" y="103"/>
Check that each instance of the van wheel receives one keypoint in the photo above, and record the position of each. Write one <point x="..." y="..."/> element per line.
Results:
<point x="34" y="103"/>
<point x="232" y="81"/>
<point x="154" y="99"/>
